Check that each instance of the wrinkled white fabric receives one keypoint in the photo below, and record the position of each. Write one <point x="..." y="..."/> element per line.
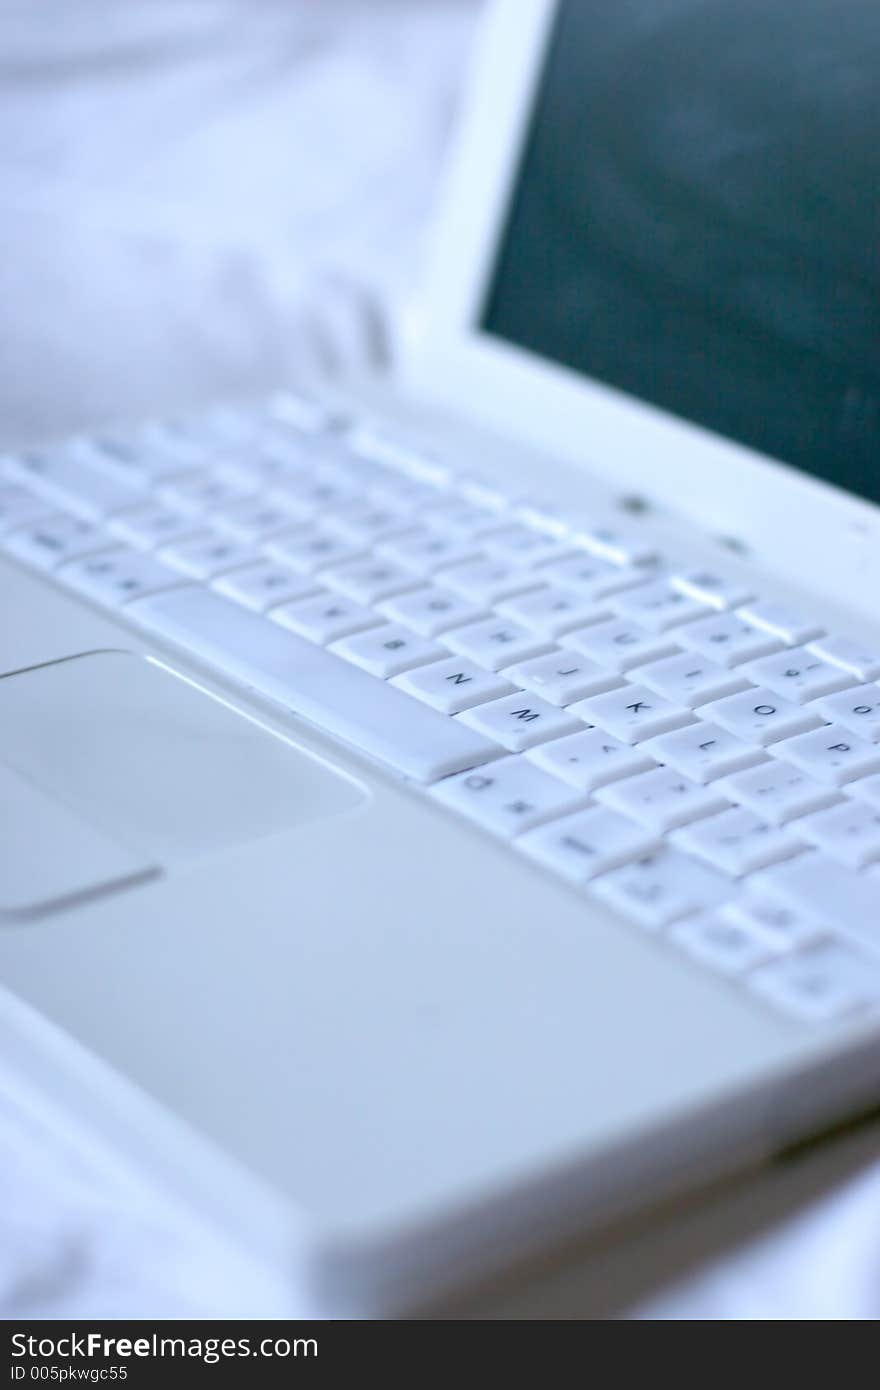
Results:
<point x="81" y="1237"/>
<point x="203" y="197"/>
<point x="211" y="196"/>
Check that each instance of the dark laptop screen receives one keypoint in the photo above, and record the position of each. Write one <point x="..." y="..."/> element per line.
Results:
<point x="696" y="219"/>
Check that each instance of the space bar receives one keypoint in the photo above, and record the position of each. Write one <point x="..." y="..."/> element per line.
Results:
<point x="362" y="710"/>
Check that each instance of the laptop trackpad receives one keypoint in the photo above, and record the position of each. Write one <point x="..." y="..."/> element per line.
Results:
<point x="113" y="767"/>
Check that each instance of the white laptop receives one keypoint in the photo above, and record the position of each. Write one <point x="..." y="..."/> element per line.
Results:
<point x="441" y="819"/>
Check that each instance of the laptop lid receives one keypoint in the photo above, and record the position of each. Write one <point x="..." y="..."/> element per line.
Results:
<point x="660" y="257"/>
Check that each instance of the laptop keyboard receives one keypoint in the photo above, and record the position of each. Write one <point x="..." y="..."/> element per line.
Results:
<point x="704" y="762"/>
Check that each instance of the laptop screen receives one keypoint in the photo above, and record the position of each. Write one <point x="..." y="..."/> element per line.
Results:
<point x="696" y="219"/>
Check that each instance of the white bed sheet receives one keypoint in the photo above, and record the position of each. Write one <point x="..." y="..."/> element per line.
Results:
<point x="203" y="197"/>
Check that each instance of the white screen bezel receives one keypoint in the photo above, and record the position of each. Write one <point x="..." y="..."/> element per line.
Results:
<point x="773" y="509"/>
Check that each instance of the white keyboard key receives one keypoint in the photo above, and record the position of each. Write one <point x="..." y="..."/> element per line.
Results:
<point x="776" y="791"/>
<point x="371" y="442"/>
<point x="251" y="519"/>
<point x="850" y="656"/>
<point x="797" y="674"/>
<point x="689" y="679"/>
<point x="416" y="468"/>
<point x="658" y="606"/>
<point x="591" y="759"/>
<point x="200" y="491"/>
<point x="632" y="713"/>
<point x="815" y="883"/>
<point x="118" y="576"/>
<point x="453" y="685"/>
<point x="310" y="551"/>
<point x="387" y="650"/>
<point x="524" y="545"/>
<point x="252" y="468"/>
<point x="144" y="456"/>
<point x="72" y="481"/>
<point x="544" y="515"/>
<point x="785" y="928"/>
<point x="520" y="721"/>
<point x="347" y="703"/>
<point x="463" y="520"/>
<point x="325" y="617"/>
<point x="245" y="465"/>
<point x="334" y="477"/>
<point x="622" y="545"/>
<point x="822" y="984"/>
<point x="849" y="833"/>
<point x="831" y="754"/>
<point x="857" y="710"/>
<point x="661" y="888"/>
<point x="728" y="947"/>
<point x="775" y="618"/>
<point x="495" y="642"/>
<point x="561" y="677"/>
<point x="299" y="460"/>
<point x="704" y="752"/>
<point x="371" y="580"/>
<point x="263" y="585"/>
<point x="257" y="470"/>
<point x="588" y="843"/>
<point x="426" y="551"/>
<point x="206" y="555"/>
<point x="151" y="525"/>
<point x="620" y="645"/>
<point x="395" y="458"/>
<point x="509" y="796"/>
<point x="258" y="465"/>
<point x="761" y="716"/>
<point x="553" y="610"/>
<point x="428" y="476"/>
<point x="739" y="842"/>
<point x="393" y="463"/>
<point x="330" y="478"/>
<point x="661" y="799"/>
<point x="727" y="639"/>
<point x="430" y="610"/>
<point x="313" y="495"/>
<point x="366" y="523"/>
<point x="591" y="577"/>
<point x="866" y="789"/>
<point x="18" y="506"/>
<point x="484" y="492"/>
<point x="487" y="581"/>
<point x="390" y="490"/>
<point x="56" y="538"/>
<point x="712" y="588"/>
